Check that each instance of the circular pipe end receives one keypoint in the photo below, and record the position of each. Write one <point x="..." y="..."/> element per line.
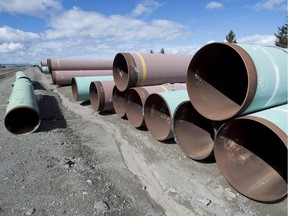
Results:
<point x="157" y="117"/>
<point x="124" y="73"/>
<point x="221" y="80"/>
<point x="193" y="132"/>
<point x="118" y="100"/>
<point x="22" y="120"/>
<point x="253" y="158"/>
<point x="74" y="89"/>
<point x="97" y="96"/>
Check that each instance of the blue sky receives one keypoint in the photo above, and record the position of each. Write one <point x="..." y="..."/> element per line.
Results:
<point x="34" y="30"/>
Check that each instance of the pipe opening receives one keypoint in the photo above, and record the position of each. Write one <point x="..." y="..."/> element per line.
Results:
<point x="253" y="159"/>
<point x="193" y="132"/>
<point x="74" y="89"/>
<point x="217" y="81"/>
<point x="134" y="108"/>
<point x="157" y="117"/>
<point x="118" y="99"/>
<point x="120" y="72"/>
<point x="22" y="120"/>
<point x="95" y="98"/>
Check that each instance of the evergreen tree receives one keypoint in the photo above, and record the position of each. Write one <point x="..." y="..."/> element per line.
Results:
<point x="281" y="37"/>
<point x="230" y="37"/>
<point x="162" y="51"/>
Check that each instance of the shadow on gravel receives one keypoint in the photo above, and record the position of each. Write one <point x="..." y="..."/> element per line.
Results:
<point x="37" y="86"/>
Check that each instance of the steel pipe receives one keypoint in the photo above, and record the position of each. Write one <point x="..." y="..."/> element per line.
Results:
<point x="193" y="132"/>
<point x="136" y="97"/>
<point x="43" y="63"/>
<point x="100" y="95"/>
<point x="81" y="86"/>
<point x="225" y="80"/>
<point x="135" y="69"/>
<point x="22" y="112"/>
<point x="45" y="69"/>
<point x="79" y="64"/>
<point x="159" y="109"/>
<point x="251" y="153"/>
<point x="65" y="77"/>
<point x="118" y="100"/>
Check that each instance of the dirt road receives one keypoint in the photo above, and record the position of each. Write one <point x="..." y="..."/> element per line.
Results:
<point x="80" y="162"/>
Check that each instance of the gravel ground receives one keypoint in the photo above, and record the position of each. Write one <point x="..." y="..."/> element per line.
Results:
<point x="80" y="162"/>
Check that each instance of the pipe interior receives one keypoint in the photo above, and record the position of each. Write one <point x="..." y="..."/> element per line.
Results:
<point x="120" y="72"/>
<point x="74" y="89"/>
<point x="118" y="99"/>
<point x="94" y="97"/>
<point x="157" y="117"/>
<point x="194" y="133"/>
<point x="22" y="120"/>
<point x="217" y="75"/>
<point x="134" y="108"/>
<point x="253" y="159"/>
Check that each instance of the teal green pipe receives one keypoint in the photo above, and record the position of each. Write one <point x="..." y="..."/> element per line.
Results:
<point x="254" y="148"/>
<point x="45" y="69"/>
<point x="22" y="112"/>
<point x="159" y="110"/>
<point x="81" y="86"/>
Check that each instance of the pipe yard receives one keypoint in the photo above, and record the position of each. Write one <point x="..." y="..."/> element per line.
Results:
<point x="202" y="134"/>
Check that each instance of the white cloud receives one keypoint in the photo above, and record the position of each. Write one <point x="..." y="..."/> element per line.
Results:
<point x="271" y="5"/>
<point x="76" y="23"/>
<point x="145" y="7"/>
<point x="257" y="39"/>
<point x="8" y="34"/>
<point x="10" y="47"/>
<point x="29" y="7"/>
<point x="214" y="5"/>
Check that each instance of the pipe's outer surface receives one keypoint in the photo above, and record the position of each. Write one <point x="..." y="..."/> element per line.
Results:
<point x="81" y="86"/>
<point x="22" y="112"/>
<point x="101" y="95"/>
<point x="136" y="97"/>
<point x="43" y="63"/>
<point x="45" y="69"/>
<point x="137" y="69"/>
<point x="225" y="80"/>
<point x="79" y="64"/>
<point x="251" y="153"/>
<point x="159" y="109"/>
<point x="65" y="77"/>
<point x="118" y="100"/>
<point x="193" y="132"/>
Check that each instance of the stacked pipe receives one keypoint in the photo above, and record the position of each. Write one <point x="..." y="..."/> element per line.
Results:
<point x="22" y="112"/>
<point x="44" y="67"/>
<point x="63" y="70"/>
<point x="236" y="111"/>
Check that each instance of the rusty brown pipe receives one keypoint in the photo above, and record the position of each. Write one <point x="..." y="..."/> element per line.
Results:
<point x="65" y="77"/>
<point x="225" y="80"/>
<point x="101" y="95"/>
<point x="79" y="64"/>
<point x="136" y="97"/>
<point x="137" y="69"/>
<point x="251" y="153"/>
<point x="193" y="132"/>
<point x="118" y="100"/>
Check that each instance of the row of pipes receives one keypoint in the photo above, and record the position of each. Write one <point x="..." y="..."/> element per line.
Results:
<point x="227" y="101"/>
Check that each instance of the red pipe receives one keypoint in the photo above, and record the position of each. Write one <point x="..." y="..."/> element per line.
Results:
<point x="65" y="77"/>
<point x="101" y="95"/>
<point x="77" y="64"/>
<point x="136" y="97"/>
<point x="135" y="69"/>
<point x="118" y="100"/>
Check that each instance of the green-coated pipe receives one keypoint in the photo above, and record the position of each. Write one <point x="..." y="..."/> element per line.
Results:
<point x="45" y="69"/>
<point x="81" y="86"/>
<point x="251" y="152"/>
<point x="22" y="112"/>
<point x="225" y="80"/>
<point x="159" y="109"/>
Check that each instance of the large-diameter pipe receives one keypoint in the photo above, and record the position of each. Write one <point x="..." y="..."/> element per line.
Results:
<point x="100" y="95"/>
<point x="45" y="69"/>
<point x="251" y="153"/>
<point x="81" y="86"/>
<point x="118" y="100"/>
<point x="159" y="110"/>
<point x="65" y="77"/>
<point x="193" y="132"/>
<point x="225" y="80"/>
<point x="22" y="112"/>
<point x="135" y="69"/>
<point x="136" y="97"/>
<point x="79" y="64"/>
